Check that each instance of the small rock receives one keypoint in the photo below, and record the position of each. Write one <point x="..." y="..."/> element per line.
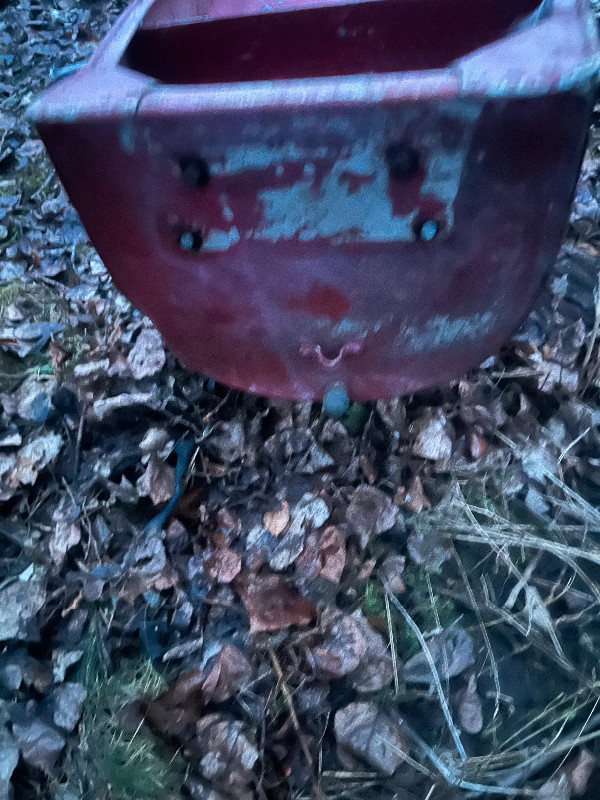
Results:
<point x="67" y="701"/>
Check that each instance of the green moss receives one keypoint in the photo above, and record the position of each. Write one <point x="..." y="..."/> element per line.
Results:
<point x="108" y="763"/>
<point x="418" y="601"/>
<point x="35" y="178"/>
<point x="9" y="293"/>
<point x="373" y="604"/>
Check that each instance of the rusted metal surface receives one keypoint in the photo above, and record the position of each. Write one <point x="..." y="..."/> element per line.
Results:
<point x="314" y="194"/>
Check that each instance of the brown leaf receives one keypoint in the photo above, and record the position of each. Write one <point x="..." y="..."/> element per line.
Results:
<point x="342" y="650"/>
<point x="276" y="521"/>
<point x="376" y="670"/>
<point x="147" y="356"/>
<point x="57" y="355"/>
<point x="33" y="457"/>
<point x="470" y="714"/>
<point x="429" y="549"/>
<point x="226" y="753"/>
<point x="351" y="647"/>
<point x="228" y="527"/>
<point x="172" y="712"/>
<point x="272" y="604"/>
<point x="19" y="603"/>
<point x="231" y="672"/>
<point x="370" y="734"/>
<point x="558" y="788"/>
<point x="414" y="498"/>
<point x="370" y="512"/>
<point x="550" y="375"/>
<point x="40" y="744"/>
<point x="580" y="771"/>
<point x="433" y="441"/>
<point x="477" y="445"/>
<point x="64" y="536"/>
<point x="158" y="481"/>
<point x="451" y="651"/>
<point x="223" y="565"/>
<point x="332" y="553"/>
<point x="227" y="442"/>
<point x="391" y="572"/>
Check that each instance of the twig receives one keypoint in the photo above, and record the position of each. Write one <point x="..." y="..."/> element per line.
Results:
<point x="289" y="701"/>
<point x="392" y="644"/>
<point x="595" y="329"/>
<point x="529" y="542"/>
<point x="450" y="773"/>
<point x="434" y="673"/>
<point x="77" y="455"/>
<point x="572" y="495"/>
<point x="486" y="638"/>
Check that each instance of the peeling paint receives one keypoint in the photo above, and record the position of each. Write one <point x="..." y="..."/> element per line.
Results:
<point x="244" y="158"/>
<point x="359" y="210"/>
<point x="365" y="215"/>
<point x="226" y="208"/>
<point x="127" y="137"/>
<point x="444" y="171"/>
<point x="442" y="332"/>
<point x="221" y="240"/>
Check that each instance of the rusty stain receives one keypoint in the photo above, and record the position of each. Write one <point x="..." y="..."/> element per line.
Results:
<point x="321" y="301"/>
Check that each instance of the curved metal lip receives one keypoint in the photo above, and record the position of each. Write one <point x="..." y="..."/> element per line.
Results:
<point x="518" y="65"/>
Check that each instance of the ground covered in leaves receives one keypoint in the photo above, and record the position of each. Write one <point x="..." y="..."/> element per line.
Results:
<point x="205" y="594"/>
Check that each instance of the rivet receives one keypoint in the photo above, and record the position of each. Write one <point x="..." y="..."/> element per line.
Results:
<point x="336" y="401"/>
<point x="191" y="241"/>
<point x="194" y="172"/>
<point x="402" y="161"/>
<point x="428" y="230"/>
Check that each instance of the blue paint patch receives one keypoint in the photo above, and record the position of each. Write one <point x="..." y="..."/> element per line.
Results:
<point x="442" y="332"/>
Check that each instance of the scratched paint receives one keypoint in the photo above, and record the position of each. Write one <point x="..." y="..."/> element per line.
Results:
<point x="219" y="241"/>
<point x="333" y="210"/>
<point x="256" y="157"/>
<point x="359" y="209"/>
<point x="442" y="332"/>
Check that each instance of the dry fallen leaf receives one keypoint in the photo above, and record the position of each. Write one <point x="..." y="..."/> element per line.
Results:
<point x="470" y="713"/>
<point x="332" y="553"/>
<point x="433" y="441"/>
<point x="223" y="565"/>
<point x="451" y="651"/>
<point x="147" y="357"/>
<point x="376" y="670"/>
<point x="370" y="512"/>
<point x="477" y="445"/>
<point x="231" y="672"/>
<point x="33" y="457"/>
<point x="414" y="497"/>
<point x="351" y="647"/>
<point x="367" y="732"/>
<point x="174" y="711"/>
<point x="580" y="771"/>
<point x="226" y="754"/>
<point x="276" y="521"/>
<point x="342" y="650"/>
<point x="391" y="571"/>
<point x="40" y="743"/>
<point x="64" y="536"/>
<point x="20" y="601"/>
<point x="272" y="604"/>
<point x="157" y="482"/>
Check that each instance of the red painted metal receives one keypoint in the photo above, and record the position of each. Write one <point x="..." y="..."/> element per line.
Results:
<point x="314" y="192"/>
